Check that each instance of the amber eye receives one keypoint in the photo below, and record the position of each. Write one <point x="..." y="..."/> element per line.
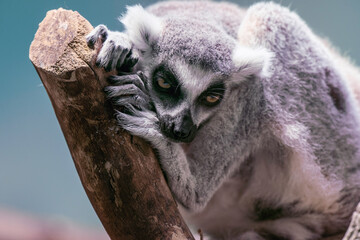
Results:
<point x="212" y="98"/>
<point x="163" y="84"/>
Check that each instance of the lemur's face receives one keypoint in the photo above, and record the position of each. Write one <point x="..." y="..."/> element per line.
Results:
<point x="190" y="65"/>
<point x="185" y="97"/>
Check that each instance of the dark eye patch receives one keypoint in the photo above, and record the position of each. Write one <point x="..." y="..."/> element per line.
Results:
<point x="169" y="95"/>
<point x="216" y="89"/>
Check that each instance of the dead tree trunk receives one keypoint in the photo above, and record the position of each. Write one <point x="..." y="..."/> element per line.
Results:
<point x="119" y="172"/>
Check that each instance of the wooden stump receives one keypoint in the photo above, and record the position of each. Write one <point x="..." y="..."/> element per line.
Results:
<point x="120" y="173"/>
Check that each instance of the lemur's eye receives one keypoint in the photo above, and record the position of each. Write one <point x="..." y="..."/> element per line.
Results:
<point x="212" y="98"/>
<point x="163" y="84"/>
<point x="213" y="95"/>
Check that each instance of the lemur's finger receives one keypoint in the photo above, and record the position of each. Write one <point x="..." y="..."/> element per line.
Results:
<point x="101" y="31"/>
<point x="126" y="79"/>
<point x="114" y="50"/>
<point x="124" y="90"/>
<point x="122" y="57"/>
<point x="105" y="55"/>
<point x="129" y="61"/>
<point x="134" y="100"/>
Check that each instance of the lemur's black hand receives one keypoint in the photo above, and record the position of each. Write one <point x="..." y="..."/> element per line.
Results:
<point x="129" y="91"/>
<point x="116" y="51"/>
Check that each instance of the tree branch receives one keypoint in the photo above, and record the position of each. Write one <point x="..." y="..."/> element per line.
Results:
<point x="120" y="173"/>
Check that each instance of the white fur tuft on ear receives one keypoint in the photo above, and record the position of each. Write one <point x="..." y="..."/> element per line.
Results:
<point x="142" y="27"/>
<point x="252" y="61"/>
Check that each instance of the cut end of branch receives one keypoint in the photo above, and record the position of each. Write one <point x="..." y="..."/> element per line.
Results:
<point x="59" y="46"/>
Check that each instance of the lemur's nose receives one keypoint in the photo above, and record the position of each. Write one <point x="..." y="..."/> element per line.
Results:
<point x="180" y="128"/>
<point x="183" y="130"/>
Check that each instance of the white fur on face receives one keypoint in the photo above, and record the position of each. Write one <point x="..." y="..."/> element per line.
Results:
<point x="174" y="111"/>
<point x="194" y="81"/>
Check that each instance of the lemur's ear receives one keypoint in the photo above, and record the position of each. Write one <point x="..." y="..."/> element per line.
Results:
<point x="252" y="61"/>
<point x="142" y="27"/>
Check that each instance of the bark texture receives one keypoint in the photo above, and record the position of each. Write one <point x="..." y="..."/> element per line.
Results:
<point x="120" y="173"/>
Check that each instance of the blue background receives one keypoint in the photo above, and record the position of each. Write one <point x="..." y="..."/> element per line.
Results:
<point x="37" y="174"/>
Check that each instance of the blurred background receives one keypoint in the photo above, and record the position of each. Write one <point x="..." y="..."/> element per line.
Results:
<point x="38" y="180"/>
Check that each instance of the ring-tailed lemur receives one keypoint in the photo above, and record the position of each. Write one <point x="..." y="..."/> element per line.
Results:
<point x="255" y="127"/>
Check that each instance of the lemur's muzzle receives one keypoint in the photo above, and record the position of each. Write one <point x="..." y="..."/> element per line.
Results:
<point x="180" y="128"/>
